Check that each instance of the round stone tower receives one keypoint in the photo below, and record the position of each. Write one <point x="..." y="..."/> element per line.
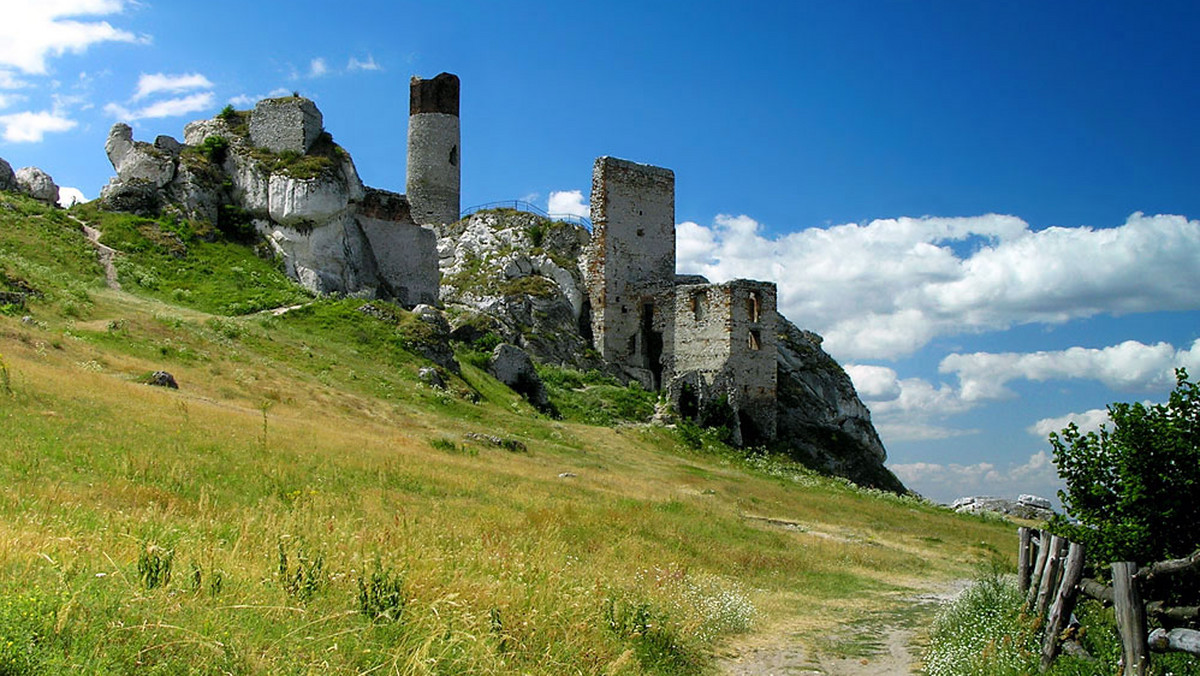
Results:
<point x="433" y="150"/>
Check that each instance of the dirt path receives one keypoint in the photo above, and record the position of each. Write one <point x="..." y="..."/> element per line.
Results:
<point x="105" y="252"/>
<point x="882" y="647"/>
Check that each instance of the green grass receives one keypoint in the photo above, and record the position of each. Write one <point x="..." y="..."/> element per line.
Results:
<point x="320" y="510"/>
<point x="176" y="262"/>
<point x="986" y="632"/>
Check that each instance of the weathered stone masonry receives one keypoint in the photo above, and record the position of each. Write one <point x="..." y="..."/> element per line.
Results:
<point x="630" y="268"/>
<point x="434" y="162"/>
<point x="697" y="341"/>
<point x="725" y="344"/>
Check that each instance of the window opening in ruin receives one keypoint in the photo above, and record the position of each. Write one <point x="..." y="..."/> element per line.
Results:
<point x="755" y="340"/>
<point x="652" y="345"/>
<point x="754" y="307"/>
<point x="698" y="299"/>
<point x="454" y="156"/>
<point x="641" y="232"/>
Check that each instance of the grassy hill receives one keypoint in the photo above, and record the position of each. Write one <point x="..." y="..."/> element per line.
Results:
<point x="303" y="503"/>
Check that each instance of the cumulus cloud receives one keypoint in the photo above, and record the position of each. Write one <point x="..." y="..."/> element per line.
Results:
<point x="946" y="482"/>
<point x="908" y="409"/>
<point x="1129" y="366"/>
<point x="356" y="65"/>
<point x="30" y="127"/>
<point x="886" y="288"/>
<point x="165" y="108"/>
<point x="68" y="196"/>
<point x="317" y="67"/>
<point x="567" y="203"/>
<point x="914" y="409"/>
<point x="155" y="83"/>
<point x="33" y="31"/>
<point x="1088" y="421"/>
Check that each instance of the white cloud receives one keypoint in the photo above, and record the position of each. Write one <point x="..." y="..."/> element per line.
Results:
<point x="68" y="196"/>
<point x="1088" y="421"/>
<point x="154" y="83"/>
<point x="10" y="81"/>
<point x="30" y="127"/>
<point x="877" y="383"/>
<point x="886" y="288"/>
<point x="166" y="108"/>
<point x="317" y="68"/>
<point x="567" y="203"/>
<point x="247" y="101"/>
<point x="7" y="100"/>
<point x="369" y="64"/>
<point x="34" y="30"/>
<point x="1129" y="366"/>
<point x="945" y="483"/>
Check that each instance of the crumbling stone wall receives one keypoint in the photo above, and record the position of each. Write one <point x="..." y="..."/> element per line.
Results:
<point x="434" y="162"/>
<point x="404" y="252"/>
<point x="630" y="267"/>
<point x="725" y="344"/>
<point x="293" y="123"/>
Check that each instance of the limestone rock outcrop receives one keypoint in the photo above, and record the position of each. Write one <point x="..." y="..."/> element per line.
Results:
<point x="517" y="274"/>
<point x="513" y="367"/>
<point x="37" y="184"/>
<point x="276" y="172"/>
<point x="8" y="180"/>
<point x="141" y="161"/>
<point x="820" y="418"/>
<point x="1024" y="507"/>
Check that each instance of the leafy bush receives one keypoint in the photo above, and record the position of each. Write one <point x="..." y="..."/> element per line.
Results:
<point x="1133" y="488"/>
<point x="381" y="595"/>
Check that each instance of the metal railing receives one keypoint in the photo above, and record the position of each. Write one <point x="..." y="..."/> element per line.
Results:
<point x="522" y="205"/>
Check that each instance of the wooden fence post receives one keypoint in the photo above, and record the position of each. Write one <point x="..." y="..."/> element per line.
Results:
<point x="1064" y="603"/>
<point x="1023" y="563"/>
<point x="1039" y="566"/>
<point x="1050" y="576"/>
<point x="1131" y="619"/>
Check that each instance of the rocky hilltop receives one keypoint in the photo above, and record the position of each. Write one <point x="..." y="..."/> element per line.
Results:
<point x="273" y="176"/>
<point x="519" y="275"/>
<point x="277" y="173"/>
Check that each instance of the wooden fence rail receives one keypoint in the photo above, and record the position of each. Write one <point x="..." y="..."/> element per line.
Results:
<point x="1050" y="574"/>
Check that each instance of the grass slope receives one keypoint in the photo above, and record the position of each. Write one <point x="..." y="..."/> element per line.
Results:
<point x="303" y="504"/>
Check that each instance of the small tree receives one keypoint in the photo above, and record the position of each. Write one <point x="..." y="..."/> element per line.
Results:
<point x="1135" y="489"/>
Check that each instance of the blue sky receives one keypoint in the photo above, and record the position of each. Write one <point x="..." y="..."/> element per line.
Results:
<point x="989" y="210"/>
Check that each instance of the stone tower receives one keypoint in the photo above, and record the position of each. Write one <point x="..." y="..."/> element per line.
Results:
<point x="433" y="150"/>
<point x="631" y="267"/>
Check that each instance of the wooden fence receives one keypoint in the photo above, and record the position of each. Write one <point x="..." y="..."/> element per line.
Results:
<point x="1050" y="574"/>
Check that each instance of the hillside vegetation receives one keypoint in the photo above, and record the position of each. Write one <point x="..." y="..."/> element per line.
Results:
<point x="304" y="503"/>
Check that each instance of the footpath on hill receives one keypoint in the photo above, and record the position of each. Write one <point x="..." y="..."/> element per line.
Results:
<point x="888" y="645"/>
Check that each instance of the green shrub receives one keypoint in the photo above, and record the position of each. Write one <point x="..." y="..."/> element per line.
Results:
<point x="1133" y="487"/>
<point x="381" y="595"/>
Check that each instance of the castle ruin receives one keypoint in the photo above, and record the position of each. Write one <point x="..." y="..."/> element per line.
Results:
<point x="705" y="344"/>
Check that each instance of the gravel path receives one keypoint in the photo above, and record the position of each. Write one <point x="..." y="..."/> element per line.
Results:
<point x="891" y="651"/>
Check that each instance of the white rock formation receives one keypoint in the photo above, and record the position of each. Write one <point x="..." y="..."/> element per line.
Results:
<point x="37" y="184"/>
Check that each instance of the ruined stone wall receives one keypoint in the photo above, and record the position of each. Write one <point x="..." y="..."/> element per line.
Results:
<point x="405" y="253"/>
<point x="291" y="123"/>
<point x="630" y="267"/>
<point x="725" y="343"/>
<point x="434" y="162"/>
